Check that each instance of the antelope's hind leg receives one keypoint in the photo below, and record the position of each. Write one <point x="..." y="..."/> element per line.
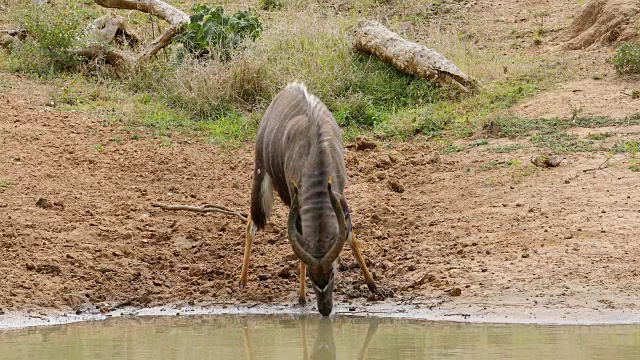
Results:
<point x="261" y="205"/>
<point x="251" y="233"/>
<point x="353" y="244"/>
<point x="302" y="296"/>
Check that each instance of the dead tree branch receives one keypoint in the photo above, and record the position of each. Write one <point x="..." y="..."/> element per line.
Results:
<point x="110" y="28"/>
<point x="201" y="209"/>
<point x="177" y="18"/>
<point x="374" y="38"/>
<point x="157" y="8"/>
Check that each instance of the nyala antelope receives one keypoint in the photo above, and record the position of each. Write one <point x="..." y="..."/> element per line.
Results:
<point x="298" y="152"/>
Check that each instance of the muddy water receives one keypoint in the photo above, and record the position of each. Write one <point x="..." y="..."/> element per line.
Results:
<point x="296" y="337"/>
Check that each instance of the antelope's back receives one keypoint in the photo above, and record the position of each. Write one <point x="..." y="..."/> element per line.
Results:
<point x="298" y="138"/>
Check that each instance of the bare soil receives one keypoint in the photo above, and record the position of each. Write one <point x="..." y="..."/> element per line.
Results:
<point x="77" y="229"/>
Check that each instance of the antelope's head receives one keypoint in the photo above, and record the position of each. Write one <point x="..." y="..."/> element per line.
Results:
<point x="322" y="271"/>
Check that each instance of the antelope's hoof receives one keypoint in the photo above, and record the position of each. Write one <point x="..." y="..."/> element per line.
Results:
<point x="373" y="287"/>
<point x="242" y="284"/>
<point x="302" y="301"/>
<point x="379" y="293"/>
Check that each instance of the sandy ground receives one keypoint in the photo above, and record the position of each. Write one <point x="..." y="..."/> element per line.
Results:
<point x="555" y="239"/>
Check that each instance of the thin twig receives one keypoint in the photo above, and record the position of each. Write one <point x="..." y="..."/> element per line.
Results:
<point x="202" y="209"/>
<point x="600" y="167"/>
<point x="465" y="316"/>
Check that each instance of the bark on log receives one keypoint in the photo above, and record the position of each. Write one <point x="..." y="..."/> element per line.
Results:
<point x="374" y="38"/>
<point x="109" y="28"/>
<point x="157" y="8"/>
<point x="118" y="59"/>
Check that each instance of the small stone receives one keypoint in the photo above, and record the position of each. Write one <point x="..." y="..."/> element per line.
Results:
<point x="411" y="267"/>
<point x="395" y="185"/>
<point x="44" y="203"/>
<point x="455" y="292"/>
<point x="128" y="235"/>
<point x="364" y="143"/>
<point x="568" y="236"/>
<point x="525" y="255"/>
<point x="263" y="277"/>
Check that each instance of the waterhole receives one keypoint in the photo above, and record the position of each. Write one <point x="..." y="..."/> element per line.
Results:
<point x="310" y="337"/>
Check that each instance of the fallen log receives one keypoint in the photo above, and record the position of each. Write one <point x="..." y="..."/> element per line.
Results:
<point x="408" y="57"/>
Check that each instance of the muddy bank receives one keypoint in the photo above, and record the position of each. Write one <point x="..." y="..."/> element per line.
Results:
<point x="423" y="312"/>
<point x="77" y="229"/>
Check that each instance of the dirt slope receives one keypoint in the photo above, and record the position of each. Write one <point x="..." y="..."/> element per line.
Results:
<point x="556" y="237"/>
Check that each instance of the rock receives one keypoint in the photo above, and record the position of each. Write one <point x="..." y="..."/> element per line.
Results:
<point x="395" y="185"/>
<point x="263" y="277"/>
<point x="364" y="143"/>
<point x="44" y="203"/>
<point x="455" y="292"/>
<point x="434" y="158"/>
<point x="127" y="236"/>
<point x="385" y="161"/>
<point x="525" y="255"/>
<point x="48" y="269"/>
<point x="547" y="161"/>
<point x="284" y="273"/>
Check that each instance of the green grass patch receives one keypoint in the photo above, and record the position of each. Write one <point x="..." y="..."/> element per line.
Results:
<point x="600" y="136"/>
<point x="508" y="148"/>
<point x="479" y="142"/>
<point x="562" y="142"/>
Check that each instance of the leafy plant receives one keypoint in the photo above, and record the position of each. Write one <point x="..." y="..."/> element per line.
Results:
<point x="270" y="5"/>
<point x="479" y="142"/>
<point x="627" y="58"/>
<point x="212" y="33"/>
<point x="453" y="148"/>
<point x="52" y="31"/>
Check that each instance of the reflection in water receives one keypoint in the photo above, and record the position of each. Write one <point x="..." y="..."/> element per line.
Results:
<point x="313" y="337"/>
<point x="324" y="348"/>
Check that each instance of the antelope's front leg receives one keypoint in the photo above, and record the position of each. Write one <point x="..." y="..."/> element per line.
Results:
<point x="302" y="296"/>
<point x="251" y="233"/>
<point x="351" y="240"/>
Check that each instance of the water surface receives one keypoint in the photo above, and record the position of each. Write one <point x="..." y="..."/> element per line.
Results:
<point x="305" y="337"/>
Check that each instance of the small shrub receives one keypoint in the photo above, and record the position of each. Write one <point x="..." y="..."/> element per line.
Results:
<point x="52" y="32"/>
<point x="627" y="58"/>
<point x="270" y="5"/>
<point x="211" y="33"/>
